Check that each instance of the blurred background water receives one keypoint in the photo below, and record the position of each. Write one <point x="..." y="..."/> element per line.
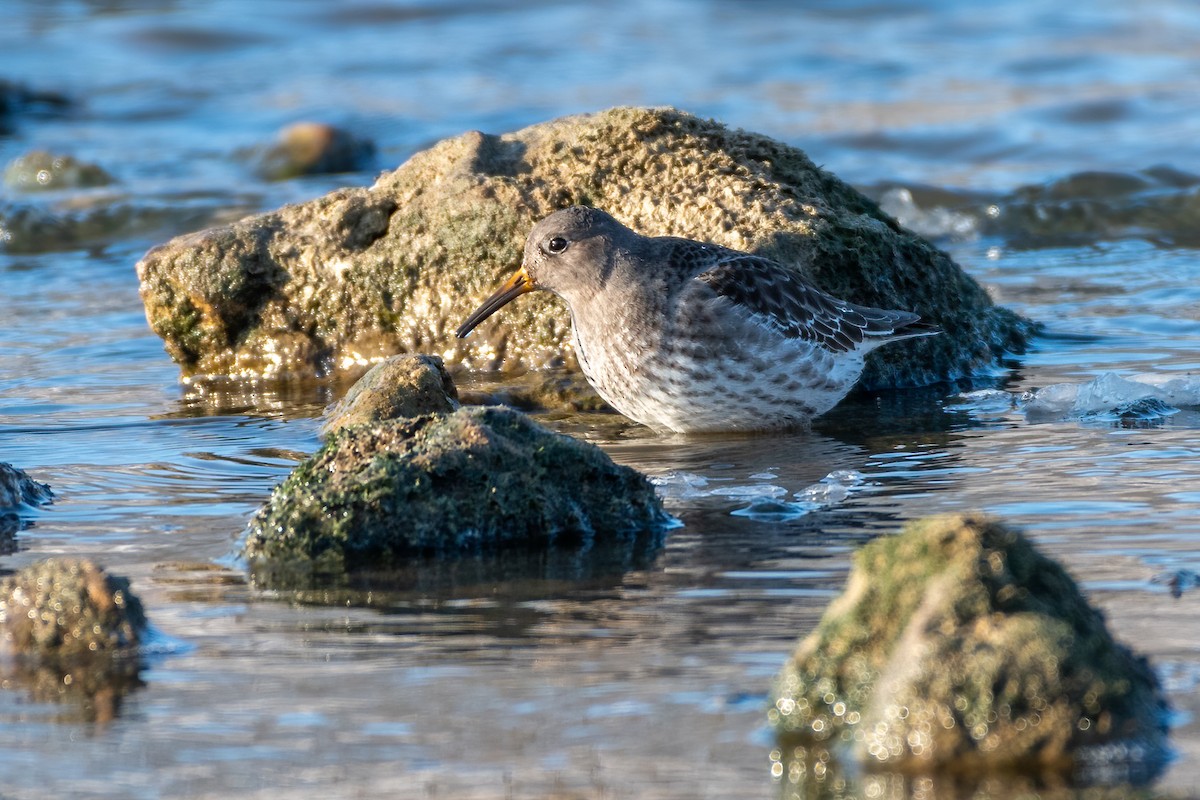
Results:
<point x="1053" y="149"/>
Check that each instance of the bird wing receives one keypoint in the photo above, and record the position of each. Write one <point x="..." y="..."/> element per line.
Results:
<point x="780" y="299"/>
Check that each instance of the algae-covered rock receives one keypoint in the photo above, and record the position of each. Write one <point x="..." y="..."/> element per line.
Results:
<point x="17" y="489"/>
<point x="363" y="273"/>
<point x="956" y="645"/>
<point x="401" y="386"/>
<point x="474" y="480"/>
<point x="39" y="170"/>
<point x="315" y="148"/>
<point x="813" y="772"/>
<point x="62" y="609"/>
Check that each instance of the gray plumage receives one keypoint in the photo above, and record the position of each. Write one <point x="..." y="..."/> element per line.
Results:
<point x="689" y="337"/>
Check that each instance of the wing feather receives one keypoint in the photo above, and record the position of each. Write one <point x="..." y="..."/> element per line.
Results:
<point x="782" y="299"/>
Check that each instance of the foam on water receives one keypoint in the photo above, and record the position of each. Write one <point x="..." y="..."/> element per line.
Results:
<point x="1107" y="398"/>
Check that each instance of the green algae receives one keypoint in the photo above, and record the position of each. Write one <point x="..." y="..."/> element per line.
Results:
<point x="475" y="480"/>
<point x="956" y="645"/>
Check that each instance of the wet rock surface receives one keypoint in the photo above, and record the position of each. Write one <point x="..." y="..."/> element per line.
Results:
<point x="392" y="268"/>
<point x="63" y="609"/>
<point x="17" y="489"/>
<point x="17" y="492"/>
<point x="70" y="635"/>
<point x="54" y="222"/>
<point x="399" y="387"/>
<point x="957" y="646"/>
<point x="315" y="148"/>
<point x="1158" y="204"/>
<point x="812" y="772"/>
<point x="475" y="480"/>
<point x="40" y="170"/>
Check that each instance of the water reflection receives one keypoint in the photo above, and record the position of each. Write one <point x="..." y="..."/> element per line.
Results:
<point x="90" y="690"/>
<point x="813" y="773"/>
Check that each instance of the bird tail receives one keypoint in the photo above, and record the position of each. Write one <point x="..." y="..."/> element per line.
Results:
<point x="884" y="326"/>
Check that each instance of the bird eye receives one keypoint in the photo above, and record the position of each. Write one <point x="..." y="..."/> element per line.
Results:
<point x="556" y="245"/>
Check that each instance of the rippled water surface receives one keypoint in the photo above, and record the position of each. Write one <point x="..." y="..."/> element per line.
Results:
<point x="1051" y="148"/>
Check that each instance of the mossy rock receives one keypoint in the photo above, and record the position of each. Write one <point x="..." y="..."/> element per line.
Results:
<point x="475" y="480"/>
<point x="360" y="274"/>
<point x="957" y="646"/>
<point x="63" y="609"/>
<point x="314" y="148"/>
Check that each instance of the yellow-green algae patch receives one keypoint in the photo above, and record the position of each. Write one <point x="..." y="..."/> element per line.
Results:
<point x="364" y="273"/>
<point x="475" y="480"/>
<point x="956" y="645"/>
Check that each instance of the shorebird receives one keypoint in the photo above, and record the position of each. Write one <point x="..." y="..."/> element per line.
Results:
<point x="690" y="337"/>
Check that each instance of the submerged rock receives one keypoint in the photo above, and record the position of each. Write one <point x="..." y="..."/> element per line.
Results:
<point x="395" y="267"/>
<point x="315" y="148"/>
<point x="40" y="170"/>
<point x="16" y="98"/>
<point x="17" y="489"/>
<point x="477" y="479"/>
<point x="63" y="609"/>
<point x="401" y="386"/>
<point x="1158" y="205"/>
<point x="957" y="646"/>
<point x="540" y="390"/>
<point x="75" y="221"/>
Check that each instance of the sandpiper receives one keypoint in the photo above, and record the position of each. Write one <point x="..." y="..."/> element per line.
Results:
<point x="689" y="337"/>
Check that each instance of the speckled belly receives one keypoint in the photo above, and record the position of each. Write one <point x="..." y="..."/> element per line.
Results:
<point x="693" y="390"/>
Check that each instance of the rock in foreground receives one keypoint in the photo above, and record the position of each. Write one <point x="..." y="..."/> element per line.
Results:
<point x="478" y="479"/>
<point x="957" y="646"/>
<point x="63" y="609"/>
<point x="364" y="273"/>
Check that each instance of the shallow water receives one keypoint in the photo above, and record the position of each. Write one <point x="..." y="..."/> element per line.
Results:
<point x="972" y="124"/>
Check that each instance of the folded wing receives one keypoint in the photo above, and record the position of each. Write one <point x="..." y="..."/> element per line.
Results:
<point x="779" y="298"/>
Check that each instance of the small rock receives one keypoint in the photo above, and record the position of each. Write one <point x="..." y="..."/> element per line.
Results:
<point x="477" y="479"/>
<point x="63" y="609"/>
<point x="315" y="148"/>
<point x="401" y="386"/>
<point x="956" y="645"/>
<point x="17" y="489"/>
<point x="40" y="170"/>
<point x="15" y="97"/>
